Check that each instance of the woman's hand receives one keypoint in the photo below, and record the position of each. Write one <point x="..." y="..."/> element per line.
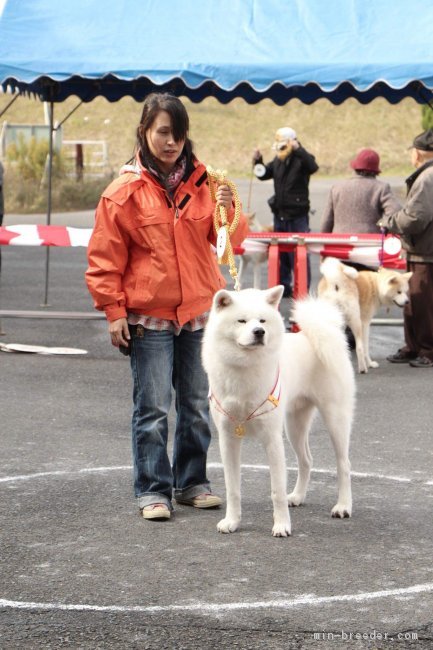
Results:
<point x="224" y="196"/>
<point x="119" y="332"/>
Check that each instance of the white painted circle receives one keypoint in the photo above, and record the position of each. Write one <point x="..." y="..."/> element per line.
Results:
<point x="39" y="349"/>
<point x="209" y="608"/>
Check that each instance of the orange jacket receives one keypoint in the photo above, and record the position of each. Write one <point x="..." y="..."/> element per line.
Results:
<point x="151" y="254"/>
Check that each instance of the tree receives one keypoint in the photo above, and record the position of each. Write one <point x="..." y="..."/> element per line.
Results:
<point x="427" y="117"/>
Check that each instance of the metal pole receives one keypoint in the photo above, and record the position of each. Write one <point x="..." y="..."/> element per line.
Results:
<point x="250" y="189"/>
<point x="10" y="104"/>
<point x="50" y="173"/>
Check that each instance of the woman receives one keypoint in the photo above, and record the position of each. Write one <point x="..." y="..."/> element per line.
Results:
<point x="152" y="270"/>
<point x="356" y="204"/>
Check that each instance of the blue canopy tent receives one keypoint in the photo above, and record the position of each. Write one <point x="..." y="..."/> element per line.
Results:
<point x="254" y="49"/>
<point x="279" y="49"/>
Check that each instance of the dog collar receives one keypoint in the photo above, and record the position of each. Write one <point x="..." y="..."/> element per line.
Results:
<point x="273" y="398"/>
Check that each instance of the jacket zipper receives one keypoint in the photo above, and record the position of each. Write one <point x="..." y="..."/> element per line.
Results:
<point x="171" y="203"/>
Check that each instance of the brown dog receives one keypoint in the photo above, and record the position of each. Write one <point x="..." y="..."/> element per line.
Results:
<point x="359" y="294"/>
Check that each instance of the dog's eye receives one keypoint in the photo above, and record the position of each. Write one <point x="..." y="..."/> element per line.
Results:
<point x="262" y="320"/>
<point x="241" y="320"/>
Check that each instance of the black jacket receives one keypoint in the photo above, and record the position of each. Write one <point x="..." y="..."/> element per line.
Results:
<point x="291" y="178"/>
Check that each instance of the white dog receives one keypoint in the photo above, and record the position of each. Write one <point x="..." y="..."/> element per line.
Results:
<point x="263" y="379"/>
<point x="359" y="294"/>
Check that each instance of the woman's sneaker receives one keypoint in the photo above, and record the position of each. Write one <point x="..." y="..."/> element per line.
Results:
<point x="205" y="500"/>
<point x="155" y="511"/>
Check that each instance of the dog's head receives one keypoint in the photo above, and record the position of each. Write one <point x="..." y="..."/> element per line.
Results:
<point x="254" y="224"/>
<point x="251" y="219"/>
<point x="394" y="287"/>
<point x="245" y="322"/>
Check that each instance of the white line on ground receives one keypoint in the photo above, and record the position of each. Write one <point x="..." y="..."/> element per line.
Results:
<point x="400" y="479"/>
<point x="91" y="470"/>
<point x="63" y="472"/>
<point x="204" y="608"/>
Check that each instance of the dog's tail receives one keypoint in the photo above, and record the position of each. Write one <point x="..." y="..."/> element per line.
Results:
<point x="323" y="325"/>
<point x="332" y="269"/>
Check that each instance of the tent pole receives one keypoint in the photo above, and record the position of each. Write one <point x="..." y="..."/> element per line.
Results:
<point x="9" y="105"/>
<point x="50" y="173"/>
<point x="59" y="124"/>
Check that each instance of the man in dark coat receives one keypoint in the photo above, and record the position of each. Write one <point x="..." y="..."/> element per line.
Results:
<point x="414" y="224"/>
<point x="291" y="170"/>
<point x="1" y="201"/>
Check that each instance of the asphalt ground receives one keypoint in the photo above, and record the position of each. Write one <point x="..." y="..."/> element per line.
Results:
<point x="81" y="569"/>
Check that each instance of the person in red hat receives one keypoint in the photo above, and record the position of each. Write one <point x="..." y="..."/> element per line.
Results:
<point x="356" y="204"/>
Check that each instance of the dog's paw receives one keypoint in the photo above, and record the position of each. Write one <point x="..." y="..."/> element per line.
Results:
<point x="373" y="364"/>
<point x="294" y="499"/>
<point x="281" y="530"/>
<point x="228" y="525"/>
<point x="341" y="511"/>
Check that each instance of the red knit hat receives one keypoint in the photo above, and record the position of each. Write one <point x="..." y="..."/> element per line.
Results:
<point x="367" y="160"/>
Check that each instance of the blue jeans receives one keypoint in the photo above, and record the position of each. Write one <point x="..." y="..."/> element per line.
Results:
<point x="287" y="260"/>
<point x="160" y="360"/>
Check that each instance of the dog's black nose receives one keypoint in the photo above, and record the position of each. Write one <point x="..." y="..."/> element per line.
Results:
<point x="259" y="333"/>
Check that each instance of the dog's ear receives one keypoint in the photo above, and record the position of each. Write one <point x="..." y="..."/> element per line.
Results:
<point x="222" y="299"/>
<point x="274" y="295"/>
<point x="394" y="279"/>
<point x="408" y="275"/>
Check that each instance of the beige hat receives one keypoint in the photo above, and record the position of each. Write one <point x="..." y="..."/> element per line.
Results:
<point x="286" y="133"/>
<point x="283" y="136"/>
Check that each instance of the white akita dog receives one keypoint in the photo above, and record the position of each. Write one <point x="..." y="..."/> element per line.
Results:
<point x="263" y="380"/>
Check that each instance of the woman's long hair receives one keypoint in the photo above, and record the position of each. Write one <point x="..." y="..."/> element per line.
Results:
<point x="153" y="104"/>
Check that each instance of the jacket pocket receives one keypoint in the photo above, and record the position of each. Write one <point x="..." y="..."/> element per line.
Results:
<point x="150" y="218"/>
<point x="199" y="217"/>
<point x="199" y="227"/>
<point x="295" y="199"/>
<point x="149" y="230"/>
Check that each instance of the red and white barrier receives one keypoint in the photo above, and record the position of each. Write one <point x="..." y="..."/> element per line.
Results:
<point x="250" y="246"/>
<point x="371" y="255"/>
<point x="368" y="249"/>
<point x="39" y="235"/>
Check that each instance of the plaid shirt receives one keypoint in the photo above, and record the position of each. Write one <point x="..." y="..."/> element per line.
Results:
<point x="161" y="324"/>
